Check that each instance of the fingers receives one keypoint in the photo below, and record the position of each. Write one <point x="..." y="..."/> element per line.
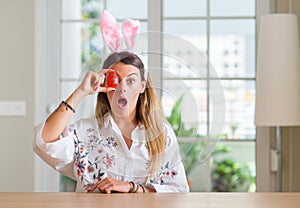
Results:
<point x="99" y="82"/>
<point x="104" y="71"/>
<point x="94" y="186"/>
<point x="107" y="185"/>
<point x="92" y="189"/>
<point x="104" y="186"/>
<point x="99" y="79"/>
<point x="93" y="82"/>
<point x="105" y="89"/>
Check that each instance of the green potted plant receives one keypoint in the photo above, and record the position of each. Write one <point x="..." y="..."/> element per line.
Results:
<point x="228" y="175"/>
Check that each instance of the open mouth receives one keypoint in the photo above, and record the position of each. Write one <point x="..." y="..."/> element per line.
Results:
<point x="122" y="102"/>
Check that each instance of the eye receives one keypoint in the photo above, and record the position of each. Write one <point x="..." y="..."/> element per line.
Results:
<point x="130" y="81"/>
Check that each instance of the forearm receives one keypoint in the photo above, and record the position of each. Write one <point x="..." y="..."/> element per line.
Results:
<point x="58" y="120"/>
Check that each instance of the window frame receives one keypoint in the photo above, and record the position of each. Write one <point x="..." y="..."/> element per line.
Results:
<point x="208" y="20"/>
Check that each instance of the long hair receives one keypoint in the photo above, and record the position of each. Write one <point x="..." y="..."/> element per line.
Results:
<point x="148" y="109"/>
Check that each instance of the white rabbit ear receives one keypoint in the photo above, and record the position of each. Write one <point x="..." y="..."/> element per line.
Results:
<point x="110" y="31"/>
<point x="130" y="29"/>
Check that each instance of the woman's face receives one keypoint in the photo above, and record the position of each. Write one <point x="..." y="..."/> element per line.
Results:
<point x="124" y="99"/>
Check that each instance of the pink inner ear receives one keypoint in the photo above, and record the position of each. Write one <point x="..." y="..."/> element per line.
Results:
<point x="130" y="28"/>
<point x="110" y="31"/>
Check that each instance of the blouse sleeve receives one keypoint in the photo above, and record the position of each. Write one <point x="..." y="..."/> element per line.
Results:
<point x="59" y="154"/>
<point x="172" y="176"/>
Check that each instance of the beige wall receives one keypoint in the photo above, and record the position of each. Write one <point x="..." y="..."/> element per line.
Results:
<point x="17" y="84"/>
<point x="291" y="136"/>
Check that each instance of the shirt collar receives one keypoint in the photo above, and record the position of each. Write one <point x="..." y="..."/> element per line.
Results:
<point x="138" y="134"/>
<point x="109" y="120"/>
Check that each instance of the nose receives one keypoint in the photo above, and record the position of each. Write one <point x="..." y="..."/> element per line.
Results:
<point x="121" y="87"/>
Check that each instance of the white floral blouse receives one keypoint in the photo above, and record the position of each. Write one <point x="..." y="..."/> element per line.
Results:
<point x="86" y="153"/>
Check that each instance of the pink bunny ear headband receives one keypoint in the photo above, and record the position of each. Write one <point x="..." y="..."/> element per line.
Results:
<point x="112" y="34"/>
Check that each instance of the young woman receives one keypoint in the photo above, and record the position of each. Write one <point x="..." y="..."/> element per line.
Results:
<point x="128" y="147"/>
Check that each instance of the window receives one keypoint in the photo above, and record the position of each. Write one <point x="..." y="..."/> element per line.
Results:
<point x="208" y="64"/>
<point x="224" y="32"/>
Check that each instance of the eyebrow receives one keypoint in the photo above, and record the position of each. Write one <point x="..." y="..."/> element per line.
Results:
<point x="134" y="73"/>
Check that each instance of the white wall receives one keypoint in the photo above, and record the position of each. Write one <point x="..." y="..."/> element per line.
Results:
<point x="17" y="84"/>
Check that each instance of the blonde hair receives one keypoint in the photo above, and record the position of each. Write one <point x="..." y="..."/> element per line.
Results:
<point x="148" y="110"/>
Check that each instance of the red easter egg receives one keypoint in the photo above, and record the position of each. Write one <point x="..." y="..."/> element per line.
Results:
<point x="112" y="79"/>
